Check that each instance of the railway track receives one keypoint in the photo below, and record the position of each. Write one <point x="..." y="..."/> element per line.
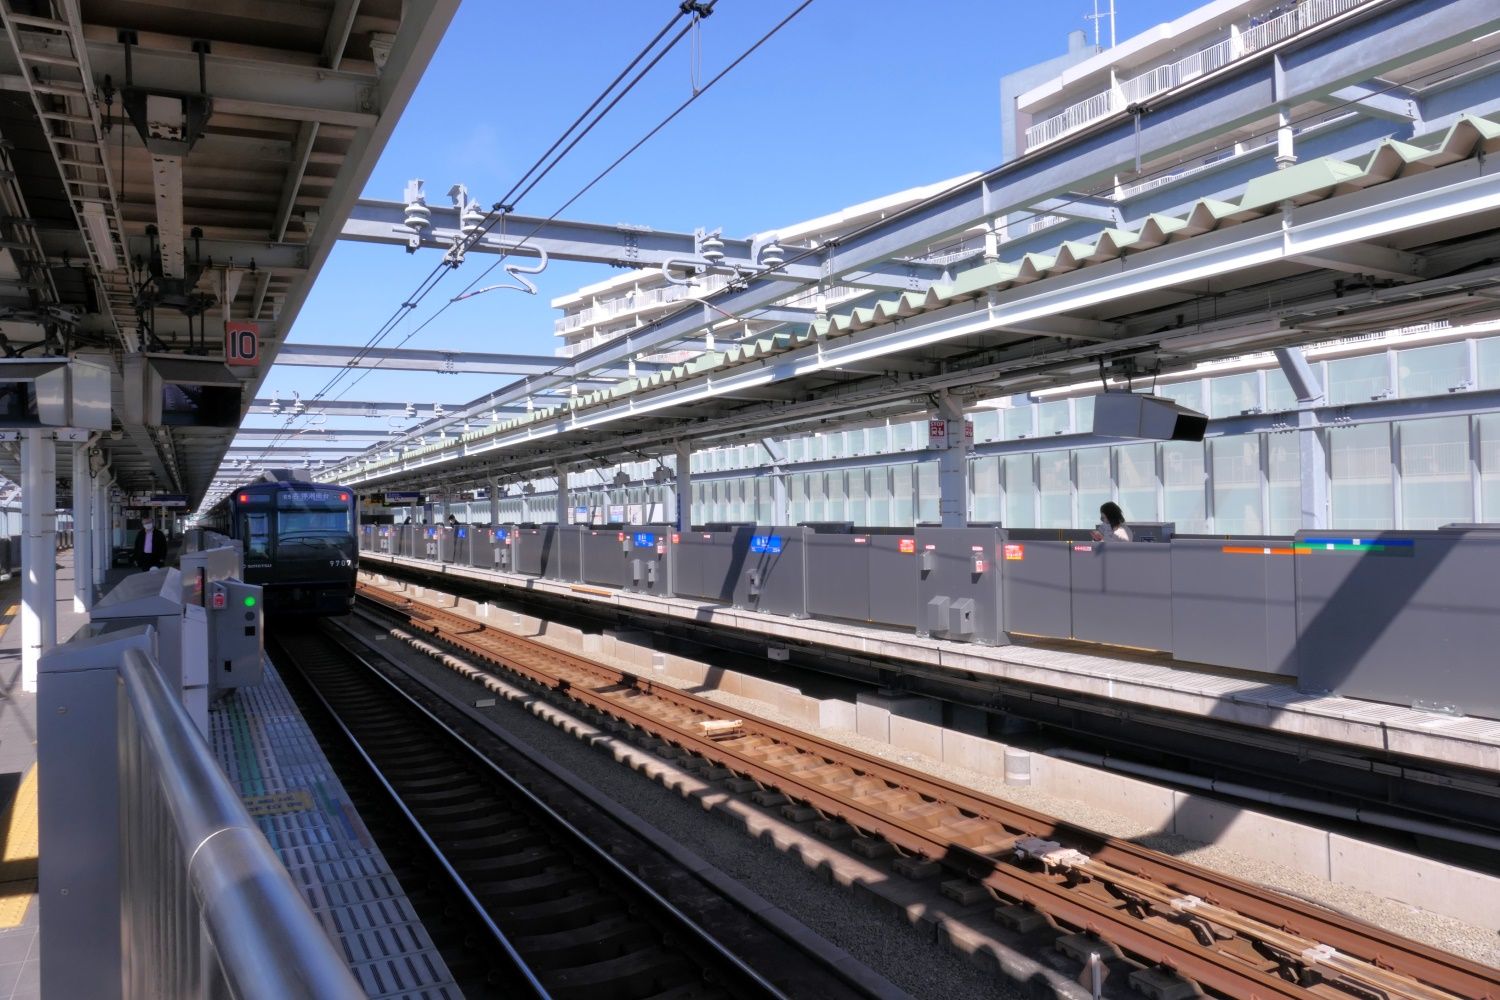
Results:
<point x="1224" y="936"/>
<point x="563" y="903"/>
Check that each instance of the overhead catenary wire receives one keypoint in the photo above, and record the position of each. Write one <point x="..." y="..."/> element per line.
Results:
<point x="505" y="252"/>
<point x="540" y="168"/>
<point x="607" y="171"/>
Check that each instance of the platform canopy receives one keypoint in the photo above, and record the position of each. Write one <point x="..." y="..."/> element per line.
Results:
<point x="170" y="167"/>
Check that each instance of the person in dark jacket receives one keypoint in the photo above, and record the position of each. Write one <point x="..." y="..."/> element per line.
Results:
<point x="150" y="546"/>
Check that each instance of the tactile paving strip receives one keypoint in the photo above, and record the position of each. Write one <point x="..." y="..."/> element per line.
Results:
<point x="287" y="784"/>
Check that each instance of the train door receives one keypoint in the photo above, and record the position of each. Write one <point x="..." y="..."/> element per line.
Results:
<point x="255" y="529"/>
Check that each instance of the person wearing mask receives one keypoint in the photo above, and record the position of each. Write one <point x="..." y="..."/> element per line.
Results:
<point x="1112" y="524"/>
<point x="150" y="545"/>
<point x="452" y="520"/>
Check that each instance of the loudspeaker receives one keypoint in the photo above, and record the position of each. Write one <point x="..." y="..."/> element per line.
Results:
<point x="1132" y="415"/>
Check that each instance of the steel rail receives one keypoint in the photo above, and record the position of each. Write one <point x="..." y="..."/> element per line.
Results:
<point x="1298" y="935"/>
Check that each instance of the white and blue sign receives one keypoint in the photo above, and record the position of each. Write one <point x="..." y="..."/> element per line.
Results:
<point x="770" y="544"/>
<point x="645" y="539"/>
<point x="391" y="498"/>
<point x="168" y="500"/>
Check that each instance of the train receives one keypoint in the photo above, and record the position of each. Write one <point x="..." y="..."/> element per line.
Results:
<point x="299" y="542"/>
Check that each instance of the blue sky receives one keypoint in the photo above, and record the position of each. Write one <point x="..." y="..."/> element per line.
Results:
<point x="852" y="100"/>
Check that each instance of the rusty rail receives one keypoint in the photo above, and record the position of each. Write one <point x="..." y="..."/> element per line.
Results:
<point x="1227" y="935"/>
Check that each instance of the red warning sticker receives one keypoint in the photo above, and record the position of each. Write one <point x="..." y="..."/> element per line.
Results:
<point x="1015" y="552"/>
<point x="907" y="545"/>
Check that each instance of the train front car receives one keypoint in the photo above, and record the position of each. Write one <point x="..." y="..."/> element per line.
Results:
<point x="300" y="545"/>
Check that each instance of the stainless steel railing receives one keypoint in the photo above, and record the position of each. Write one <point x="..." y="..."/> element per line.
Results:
<point x="207" y="908"/>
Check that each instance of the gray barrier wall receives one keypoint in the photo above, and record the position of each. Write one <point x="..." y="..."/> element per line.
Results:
<point x="1409" y="618"/>
<point x="1234" y="602"/>
<point x="536" y="551"/>
<point x="709" y="564"/>
<point x="862" y="577"/>
<point x="775" y="575"/>
<point x="604" y="557"/>
<point x="1122" y="593"/>
<point x="1038" y="568"/>
<point x="1406" y="617"/>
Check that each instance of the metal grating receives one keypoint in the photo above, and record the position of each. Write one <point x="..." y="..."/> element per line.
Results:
<point x="267" y="750"/>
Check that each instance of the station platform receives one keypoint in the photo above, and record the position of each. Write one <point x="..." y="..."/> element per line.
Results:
<point x="1063" y="673"/>
<point x="287" y="784"/>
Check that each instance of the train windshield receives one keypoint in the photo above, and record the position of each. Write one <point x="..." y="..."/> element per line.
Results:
<point x="312" y="522"/>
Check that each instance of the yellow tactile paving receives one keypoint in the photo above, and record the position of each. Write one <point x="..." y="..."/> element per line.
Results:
<point x="10" y="614"/>
<point x="18" y="859"/>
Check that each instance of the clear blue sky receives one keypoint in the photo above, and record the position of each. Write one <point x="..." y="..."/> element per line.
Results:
<point x="852" y="100"/>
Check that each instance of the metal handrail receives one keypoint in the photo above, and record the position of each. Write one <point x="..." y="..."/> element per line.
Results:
<point x="184" y="826"/>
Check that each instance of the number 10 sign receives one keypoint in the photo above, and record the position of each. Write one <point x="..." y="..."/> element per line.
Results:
<point x="241" y="343"/>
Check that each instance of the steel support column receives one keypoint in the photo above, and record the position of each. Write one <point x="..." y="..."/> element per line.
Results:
<point x="564" y="509"/>
<point x="83" y="530"/>
<point x="103" y="538"/>
<point x="1312" y="446"/>
<point x="781" y="511"/>
<point x="953" y="464"/>
<point x="38" y="551"/>
<point x="682" y="487"/>
<point x="493" y="493"/>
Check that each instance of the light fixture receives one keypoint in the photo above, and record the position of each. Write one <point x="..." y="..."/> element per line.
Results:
<point x="97" y="223"/>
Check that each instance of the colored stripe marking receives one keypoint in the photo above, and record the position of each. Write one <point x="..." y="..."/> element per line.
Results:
<point x="1249" y="550"/>
<point x="1387" y="547"/>
<point x="22" y="847"/>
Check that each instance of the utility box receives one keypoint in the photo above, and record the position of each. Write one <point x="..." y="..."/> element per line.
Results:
<point x="489" y="548"/>
<point x="650" y="554"/>
<point x="236" y="635"/>
<point x="959" y="592"/>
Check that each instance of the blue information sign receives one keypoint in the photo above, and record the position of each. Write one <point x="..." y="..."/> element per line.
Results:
<point x="391" y="498"/>
<point x="645" y="540"/>
<point x="770" y="544"/>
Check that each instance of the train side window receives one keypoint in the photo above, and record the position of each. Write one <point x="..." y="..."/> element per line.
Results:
<point x="257" y="533"/>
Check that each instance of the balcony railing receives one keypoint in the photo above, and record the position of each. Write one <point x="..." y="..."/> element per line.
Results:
<point x="1276" y="25"/>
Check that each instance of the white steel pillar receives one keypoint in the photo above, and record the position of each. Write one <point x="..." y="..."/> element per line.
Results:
<point x="38" y="551"/>
<point x="1312" y="446"/>
<point x="953" y="446"/>
<point x="83" y="530"/>
<point x="682" y="487"/>
<point x="780" y="508"/>
<point x="564" y="502"/>
<point x="494" y="495"/>
<point x="103" y="539"/>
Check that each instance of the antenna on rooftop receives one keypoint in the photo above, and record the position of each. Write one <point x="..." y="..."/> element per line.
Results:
<point x="1096" y="17"/>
